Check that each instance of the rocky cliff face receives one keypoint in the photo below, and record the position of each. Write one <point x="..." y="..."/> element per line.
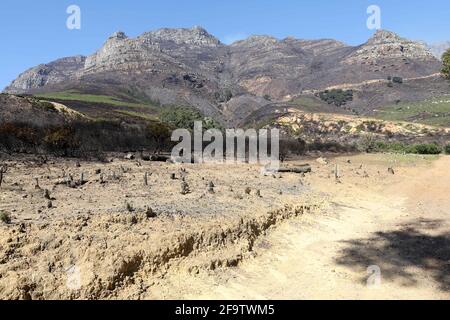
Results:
<point x="190" y="66"/>
<point x="43" y="75"/>
<point x="388" y="45"/>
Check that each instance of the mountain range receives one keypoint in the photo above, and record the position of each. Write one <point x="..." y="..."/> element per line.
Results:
<point x="191" y="67"/>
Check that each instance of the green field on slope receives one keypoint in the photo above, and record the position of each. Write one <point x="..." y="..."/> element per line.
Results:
<point x="435" y="112"/>
<point x="76" y="96"/>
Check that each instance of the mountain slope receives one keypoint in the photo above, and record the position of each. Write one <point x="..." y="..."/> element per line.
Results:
<point x="228" y="82"/>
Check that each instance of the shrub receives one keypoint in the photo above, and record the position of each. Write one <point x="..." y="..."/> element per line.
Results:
<point x="397" y="80"/>
<point x="17" y="136"/>
<point x="426" y="148"/>
<point x="446" y="64"/>
<point x="159" y="134"/>
<point x="5" y="217"/>
<point x="291" y="146"/>
<point x="61" y="138"/>
<point x="447" y="149"/>
<point x="184" y="117"/>
<point x="338" y="97"/>
<point x="369" y="144"/>
<point x="223" y="96"/>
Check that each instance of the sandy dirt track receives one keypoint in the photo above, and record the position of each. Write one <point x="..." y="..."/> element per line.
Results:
<point x="402" y="227"/>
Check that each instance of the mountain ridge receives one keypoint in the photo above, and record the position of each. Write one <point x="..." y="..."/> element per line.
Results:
<point x="189" y="66"/>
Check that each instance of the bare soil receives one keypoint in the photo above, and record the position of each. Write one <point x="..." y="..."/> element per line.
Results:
<point x="283" y="236"/>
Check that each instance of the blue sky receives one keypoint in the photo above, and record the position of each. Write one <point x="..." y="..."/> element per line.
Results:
<point x="33" y="32"/>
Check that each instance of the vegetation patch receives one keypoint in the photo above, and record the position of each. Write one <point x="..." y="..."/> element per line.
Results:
<point x="435" y="112"/>
<point x="77" y="96"/>
<point x="371" y="145"/>
<point x="338" y="97"/>
<point x="184" y="117"/>
<point x="446" y="64"/>
<point x="447" y="149"/>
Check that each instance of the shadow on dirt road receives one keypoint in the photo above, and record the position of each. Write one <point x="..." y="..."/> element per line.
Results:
<point x="413" y="245"/>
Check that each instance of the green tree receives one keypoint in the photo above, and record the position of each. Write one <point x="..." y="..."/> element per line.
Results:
<point x="184" y="117"/>
<point x="446" y="62"/>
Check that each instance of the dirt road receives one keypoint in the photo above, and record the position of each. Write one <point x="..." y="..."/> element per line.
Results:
<point x="400" y="229"/>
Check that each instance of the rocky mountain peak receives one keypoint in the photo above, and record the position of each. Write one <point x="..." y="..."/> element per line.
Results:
<point x="119" y="35"/>
<point x="386" y="44"/>
<point x="193" y="36"/>
<point x="258" y="42"/>
<point x="384" y="36"/>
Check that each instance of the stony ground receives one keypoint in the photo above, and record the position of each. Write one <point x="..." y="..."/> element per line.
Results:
<point x="254" y="236"/>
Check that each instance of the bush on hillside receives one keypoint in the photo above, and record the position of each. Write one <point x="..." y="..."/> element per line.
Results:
<point x="397" y="80"/>
<point x="184" y="117"/>
<point x="338" y="97"/>
<point x="425" y="148"/>
<point x="446" y="64"/>
<point x="447" y="149"/>
<point x="370" y="144"/>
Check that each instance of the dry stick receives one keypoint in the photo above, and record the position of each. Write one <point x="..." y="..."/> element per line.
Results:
<point x="3" y="170"/>
<point x="146" y="179"/>
<point x="211" y="187"/>
<point x="37" y="183"/>
<point x="337" y="174"/>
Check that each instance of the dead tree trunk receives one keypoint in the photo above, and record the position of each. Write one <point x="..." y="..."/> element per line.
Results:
<point x="306" y="168"/>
